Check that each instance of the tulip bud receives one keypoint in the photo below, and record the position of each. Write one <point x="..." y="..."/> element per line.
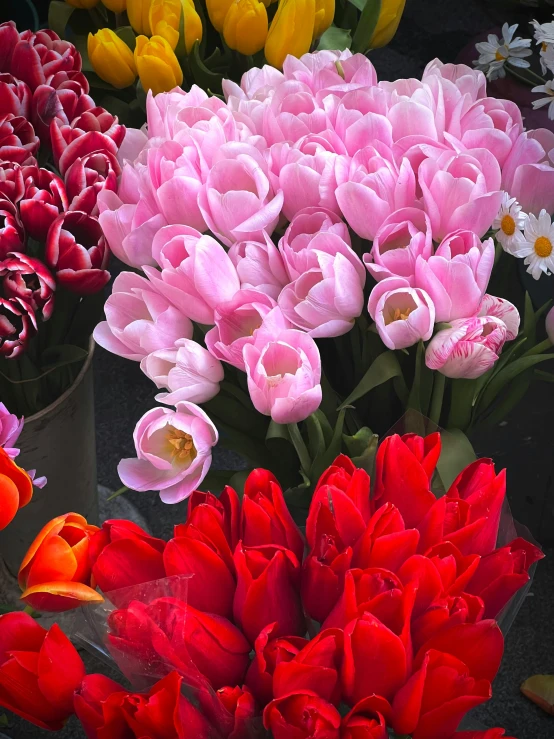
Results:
<point x="387" y="25"/>
<point x="291" y="31"/>
<point x="165" y="20"/>
<point x="157" y="64"/>
<point x="217" y="11"/>
<point x="111" y="58"/>
<point x="82" y="4"/>
<point x="139" y="12"/>
<point x="245" y="26"/>
<point x="116" y="6"/>
<point x="324" y="14"/>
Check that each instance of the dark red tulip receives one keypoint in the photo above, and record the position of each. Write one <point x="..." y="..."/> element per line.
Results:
<point x="12" y="234"/>
<point x="268" y="583"/>
<point x="11" y="181"/>
<point x="502" y="573"/>
<point x="443" y="613"/>
<point x="68" y="144"/>
<point x="423" y="711"/>
<point x="269" y="653"/>
<point x="43" y="201"/>
<point x="77" y="252"/>
<point x="18" y="324"/>
<point x="302" y="715"/>
<point x="28" y="278"/>
<point x="8" y="39"/>
<point x="265" y="516"/>
<point x="365" y="721"/>
<point x="50" y="105"/>
<point x="87" y="176"/>
<point x="386" y="542"/>
<point x="15" y="96"/>
<point x="100" y="120"/>
<point x="18" y="141"/>
<point x="122" y="554"/>
<point x="39" y="671"/>
<point x="39" y="55"/>
<point x="241" y="705"/>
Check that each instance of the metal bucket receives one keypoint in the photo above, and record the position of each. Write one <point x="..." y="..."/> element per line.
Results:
<point x="58" y="442"/>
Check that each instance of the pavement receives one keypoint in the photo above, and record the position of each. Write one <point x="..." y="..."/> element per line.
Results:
<point x="429" y="29"/>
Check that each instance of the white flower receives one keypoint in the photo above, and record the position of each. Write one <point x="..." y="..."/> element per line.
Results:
<point x="538" y="244"/>
<point x="495" y="53"/>
<point x="547" y="58"/>
<point x="544" y="32"/>
<point x="509" y="224"/>
<point x="547" y="88"/>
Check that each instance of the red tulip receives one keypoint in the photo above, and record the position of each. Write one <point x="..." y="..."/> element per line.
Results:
<point x="352" y="481"/>
<point x="16" y="487"/>
<point x="240" y="703"/>
<point x="502" y="573"/>
<point x="87" y="176"/>
<point x="324" y="569"/>
<point x="100" y="120"/>
<point x="39" y="55"/>
<point x="11" y="181"/>
<point x="215" y="517"/>
<point x="39" y="671"/>
<point x="436" y="698"/>
<point x="15" y="97"/>
<point x="18" y="324"/>
<point x="302" y="715"/>
<point x="170" y="634"/>
<point x="315" y="668"/>
<point x="107" y="711"/>
<point x="401" y="478"/>
<point x="70" y="143"/>
<point x="43" y="201"/>
<point x="122" y="554"/>
<point x="27" y="278"/>
<point x="386" y="542"/>
<point x="268" y="580"/>
<point x="365" y="721"/>
<point x="265" y="516"/>
<point x="18" y="141"/>
<point x="12" y="235"/>
<point x="77" y="251"/>
<point x="444" y="613"/>
<point x="455" y="569"/>
<point x="269" y="653"/>
<point x="427" y="450"/>
<point x="50" y="105"/>
<point x="8" y="39"/>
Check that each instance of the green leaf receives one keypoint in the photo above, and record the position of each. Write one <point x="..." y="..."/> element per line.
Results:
<point x="204" y="77"/>
<point x="4" y="723"/>
<point x="325" y="426"/>
<point x="456" y="453"/>
<point x="462" y="399"/>
<point x="59" y="14"/>
<point x="333" y="450"/>
<point x="216" y="480"/>
<point x="316" y="439"/>
<point x="127" y="35"/>
<point x="383" y="368"/>
<point x="529" y="320"/>
<point x="360" y="4"/>
<point x="362" y="448"/>
<point x="506" y="375"/>
<point x="544" y="376"/>
<point x="335" y="38"/>
<point x="62" y="355"/>
<point x="366" y="26"/>
<point x="510" y="398"/>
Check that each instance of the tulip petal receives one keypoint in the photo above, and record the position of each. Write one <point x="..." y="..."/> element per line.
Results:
<point x="57" y="597"/>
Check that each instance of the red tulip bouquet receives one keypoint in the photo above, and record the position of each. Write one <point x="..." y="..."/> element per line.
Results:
<point x="53" y="256"/>
<point x="383" y="620"/>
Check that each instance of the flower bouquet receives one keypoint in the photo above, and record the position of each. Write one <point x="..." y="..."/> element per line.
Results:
<point x="382" y="621"/>
<point x="57" y="152"/>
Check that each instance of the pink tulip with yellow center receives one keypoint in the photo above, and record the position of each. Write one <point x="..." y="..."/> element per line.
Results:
<point x="403" y="315"/>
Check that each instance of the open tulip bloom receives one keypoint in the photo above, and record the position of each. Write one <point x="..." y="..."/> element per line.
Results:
<point x="382" y="620"/>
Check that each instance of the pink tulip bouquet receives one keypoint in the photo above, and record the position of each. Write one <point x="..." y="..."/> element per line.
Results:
<point x="316" y="253"/>
<point x="57" y="152"/>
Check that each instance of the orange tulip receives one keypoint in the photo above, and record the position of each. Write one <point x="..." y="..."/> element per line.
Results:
<point x="55" y="574"/>
<point x="16" y="489"/>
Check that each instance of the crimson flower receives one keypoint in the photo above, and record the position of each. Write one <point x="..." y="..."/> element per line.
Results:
<point x="12" y="235"/>
<point x="18" y="325"/>
<point x="37" y="56"/>
<point x="18" y="141"/>
<point x="87" y="176"/>
<point x="11" y="181"/>
<point x="15" y="96"/>
<point x="29" y="280"/>
<point x="43" y="201"/>
<point x="8" y="39"/>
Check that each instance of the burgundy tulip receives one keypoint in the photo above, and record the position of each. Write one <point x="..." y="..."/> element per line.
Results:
<point x="18" y="141"/>
<point x="39" y="55"/>
<point x="8" y="39"/>
<point x="69" y="143"/>
<point x="49" y="105"/>
<point x="43" y="201"/>
<point x="302" y="715"/>
<point x="12" y="235"/>
<point x="18" y="325"/>
<point x="29" y="280"/>
<point x="100" y="120"/>
<point x="87" y="176"/>
<point x="11" y="181"/>
<point x="77" y="251"/>
<point x="15" y="96"/>
<point x="241" y="705"/>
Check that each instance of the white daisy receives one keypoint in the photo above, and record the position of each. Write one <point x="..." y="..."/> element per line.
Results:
<point x="548" y="89"/>
<point x="538" y="245"/>
<point x="494" y="54"/>
<point x="509" y="224"/>
<point x="544" y="32"/>
<point x="547" y="58"/>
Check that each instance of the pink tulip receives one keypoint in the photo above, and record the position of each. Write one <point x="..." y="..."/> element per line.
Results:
<point x="307" y="180"/>
<point x="259" y="265"/>
<point x="505" y="311"/>
<point x="139" y="320"/>
<point x="284" y="373"/>
<point x="403" y="315"/>
<point x="174" y="452"/>
<point x="255" y="83"/>
<point x="197" y="274"/>
<point x="132" y="145"/>
<point x="237" y="322"/>
<point x="549" y="323"/>
<point x="528" y="174"/>
<point x="374" y="188"/>
<point x="468" y="348"/>
<point x="456" y="277"/>
<point x="320" y="72"/>
<point x="187" y="370"/>
<point x="291" y="113"/>
<point x="238" y="202"/>
<point x="461" y="191"/>
<point x="469" y="81"/>
<point x="404" y="236"/>
<point x="10" y="428"/>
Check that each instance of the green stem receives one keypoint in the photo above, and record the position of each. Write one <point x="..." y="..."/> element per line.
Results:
<point x="119" y="492"/>
<point x="437" y="398"/>
<point x="525" y="76"/>
<point x="544" y="346"/>
<point x="300" y="446"/>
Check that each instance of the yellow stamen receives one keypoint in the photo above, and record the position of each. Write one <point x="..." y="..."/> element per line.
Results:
<point x="398" y="314"/>
<point x="508" y="225"/>
<point x="544" y="47"/>
<point x="181" y="445"/>
<point x="543" y="247"/>
<point x="499" y="56"/>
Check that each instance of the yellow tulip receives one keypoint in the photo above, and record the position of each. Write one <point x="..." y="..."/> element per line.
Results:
<point x="116" y="6"/>
<point x="83" y="4"/>
<point x="245" y="26"/>
<point x="157" y="64"/>
<point x="387" y="25"/>
<point x="324" y="14"/>
<point x="165" y="17"/>
<point x="217" y="10"/>
<point x="111" y="58"/>
<point x="291" y="31"/>
<point x="138" y="12"/>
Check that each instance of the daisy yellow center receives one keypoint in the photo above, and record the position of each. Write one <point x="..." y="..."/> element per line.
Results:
<point x="508" y="225"/>
<point x="544" y="47"/>
<point x="181" y="445"/>
<point x="543" y="247"/>
<point x="499" y="56"/>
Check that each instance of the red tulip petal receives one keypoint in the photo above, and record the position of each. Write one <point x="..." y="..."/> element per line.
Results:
<point x="61" y="670"/>
<point x="9" y="501"/>
<point x="57" y="597"/>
